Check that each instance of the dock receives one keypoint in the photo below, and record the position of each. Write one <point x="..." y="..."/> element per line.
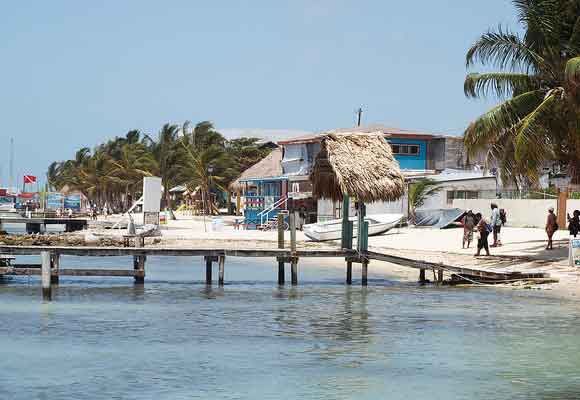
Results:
<point x="50" y="271"/>
<point x="38" y="224"/>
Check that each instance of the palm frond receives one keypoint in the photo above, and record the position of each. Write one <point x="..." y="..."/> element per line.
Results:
<point x="572" y="72"/>
<point x="500" y="84"/>
<point x="500" y="118"/>
<point x="531" y="145"/>
<point x="504" y="50"/>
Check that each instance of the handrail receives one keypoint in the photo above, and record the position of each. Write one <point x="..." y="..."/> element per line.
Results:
<point x="274" y="206"/>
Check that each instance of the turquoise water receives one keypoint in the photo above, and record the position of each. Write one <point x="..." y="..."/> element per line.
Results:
<point x="173" y="338"/>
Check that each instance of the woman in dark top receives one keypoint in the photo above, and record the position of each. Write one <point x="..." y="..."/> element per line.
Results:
<point x="483" y="233"/>
<point x="574" y="223"/>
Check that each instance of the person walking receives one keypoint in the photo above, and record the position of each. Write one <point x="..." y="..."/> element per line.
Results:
<point x="551" y="227"/>
<point x="468" y="226"/>
<point x="495" y="222"/>
<point x="483" y="230"/>
<point x="574" y="223"/>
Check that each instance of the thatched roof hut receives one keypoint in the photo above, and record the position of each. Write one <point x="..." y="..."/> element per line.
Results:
<point x="269" y="167"/>
<point x="359" y="164"/>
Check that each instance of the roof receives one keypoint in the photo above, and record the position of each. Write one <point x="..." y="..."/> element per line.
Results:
<point x="375" y="128"/>
<point x="456" y="175"/>
<point x="269" y="167"/>
<point x="358" y="164"/>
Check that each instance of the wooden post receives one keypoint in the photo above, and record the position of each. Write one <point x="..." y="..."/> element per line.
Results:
<point x="361" y="220"/>
<point x="365" y="270"/>
<point x="46" y="287"/>
<point x="440" y="276"/>
<point x="208" y="268"/>
<point x="139" y="264"/>
<point x="294" y="262"/>
<point x="292" y="232"/>
<point x="281" y="266"/>
<point x="562" y="207"/>
<point x="55" y="267"/>
<point x="222" y="267"/>
<point x="422" y="278"/>
<point x="294" y="268"/>
<point x="349" y="272"/>
<point x="346" y="242"/>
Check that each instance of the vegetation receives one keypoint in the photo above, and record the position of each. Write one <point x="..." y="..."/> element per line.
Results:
<point x="419" y="192"/>
<point x="199" y="158"/>
<point x="538" y="81"/>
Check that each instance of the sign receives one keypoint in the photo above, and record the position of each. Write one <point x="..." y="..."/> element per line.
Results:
<point x="73" y="202"/>
<point x="54" y="201"/>
<point x="151" y="194"/>
<point x="29" y="179"/>
<point x="150" y="218"/>
<point x="574" y="252"/>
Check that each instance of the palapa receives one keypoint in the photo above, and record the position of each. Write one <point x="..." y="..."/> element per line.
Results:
<point x="358" y="164"/>
<point x="269" y="167"/>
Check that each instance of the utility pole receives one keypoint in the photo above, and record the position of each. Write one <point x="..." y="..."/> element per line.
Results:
<point x="359" y="115"/>
<point x="11" y="166"/>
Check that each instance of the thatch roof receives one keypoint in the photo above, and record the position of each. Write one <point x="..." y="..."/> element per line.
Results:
<point x="269" y="167"/>
<point x="359" y="164"/>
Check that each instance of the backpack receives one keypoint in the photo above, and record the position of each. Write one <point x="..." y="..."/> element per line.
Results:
<point x="502" y="216"/>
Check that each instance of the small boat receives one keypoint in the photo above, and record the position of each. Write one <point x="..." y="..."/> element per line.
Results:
<point x="332" y="230"/>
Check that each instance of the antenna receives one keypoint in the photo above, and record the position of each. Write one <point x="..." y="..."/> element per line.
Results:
<point x="11" y="171"/>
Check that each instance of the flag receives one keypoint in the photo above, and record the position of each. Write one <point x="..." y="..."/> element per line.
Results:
<point x="29" y="179"/>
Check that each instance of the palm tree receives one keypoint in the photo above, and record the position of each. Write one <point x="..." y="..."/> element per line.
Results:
<point x="208" y="164"/>
<point x="419" y="192"/>
<point x="169" y="156"/>
<point x="539" y="81"/>
<point x="134" y="163"/>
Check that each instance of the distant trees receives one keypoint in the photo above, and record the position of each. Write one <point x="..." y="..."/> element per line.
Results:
<point x="539" y="78"/>
<point x="200" y="158"/>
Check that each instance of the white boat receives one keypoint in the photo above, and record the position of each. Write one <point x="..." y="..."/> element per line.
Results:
<point x="332" y="230"/>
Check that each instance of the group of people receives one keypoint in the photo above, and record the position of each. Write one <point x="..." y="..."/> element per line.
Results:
<point x="478" y="223"/>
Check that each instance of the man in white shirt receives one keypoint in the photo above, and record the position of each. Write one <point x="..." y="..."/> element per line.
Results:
<point x="495" y="222"/>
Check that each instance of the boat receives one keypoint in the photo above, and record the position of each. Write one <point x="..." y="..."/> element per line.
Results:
<point x="332" y="230"/>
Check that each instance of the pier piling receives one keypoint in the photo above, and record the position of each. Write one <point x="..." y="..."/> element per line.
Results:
<point x="349" y="272"/>
<point x="222" y="267"/>
<point x="55" y="261"/>
<point x="281" y="264"/>
<point x="45" y="272"/>
<point x="422" y="278"/>
<point x="365" y="270"/>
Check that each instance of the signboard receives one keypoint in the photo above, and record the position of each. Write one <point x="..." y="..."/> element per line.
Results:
<point x="73" y="202"/>
<point x="150" y="218"/>
<point x="54" y="201"/>
<point x="574" y="252"/>
<point x="151" y="194"/>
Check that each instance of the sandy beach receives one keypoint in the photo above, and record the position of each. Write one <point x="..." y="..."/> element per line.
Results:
<point x="523" y="248"/>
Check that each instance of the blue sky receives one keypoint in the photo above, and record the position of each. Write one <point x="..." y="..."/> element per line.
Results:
<point x="74" y="73"/>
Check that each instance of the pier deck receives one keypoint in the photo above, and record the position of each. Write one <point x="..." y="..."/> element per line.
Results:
<point x="50" y="261"/>
<point x="38" y="224"/>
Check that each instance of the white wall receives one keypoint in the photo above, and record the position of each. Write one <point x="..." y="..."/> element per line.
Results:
<point x="521" y="213"/>
<point x="439" y="199"/>
<point x="326" y="208"/>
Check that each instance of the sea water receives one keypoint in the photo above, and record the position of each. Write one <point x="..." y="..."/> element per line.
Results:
<point x="174" y="338"/>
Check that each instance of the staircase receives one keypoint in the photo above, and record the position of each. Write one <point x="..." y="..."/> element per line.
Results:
<point x="272" y="222"/>
<point x="269" y="216"/>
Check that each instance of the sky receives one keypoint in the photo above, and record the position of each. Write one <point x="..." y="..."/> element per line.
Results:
<point x="76" y="73"/>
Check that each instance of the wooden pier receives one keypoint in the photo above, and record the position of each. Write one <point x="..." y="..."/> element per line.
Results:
<point x="38" y="224"/>
<point x="50" y="269"/>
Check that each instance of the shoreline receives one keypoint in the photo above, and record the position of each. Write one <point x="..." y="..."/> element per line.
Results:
<point x="522" y="249"/>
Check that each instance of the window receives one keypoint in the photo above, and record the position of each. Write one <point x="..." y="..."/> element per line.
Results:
<point x="406" y="149"/>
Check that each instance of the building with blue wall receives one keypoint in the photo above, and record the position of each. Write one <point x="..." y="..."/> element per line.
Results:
<point x="410" y="153"/>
